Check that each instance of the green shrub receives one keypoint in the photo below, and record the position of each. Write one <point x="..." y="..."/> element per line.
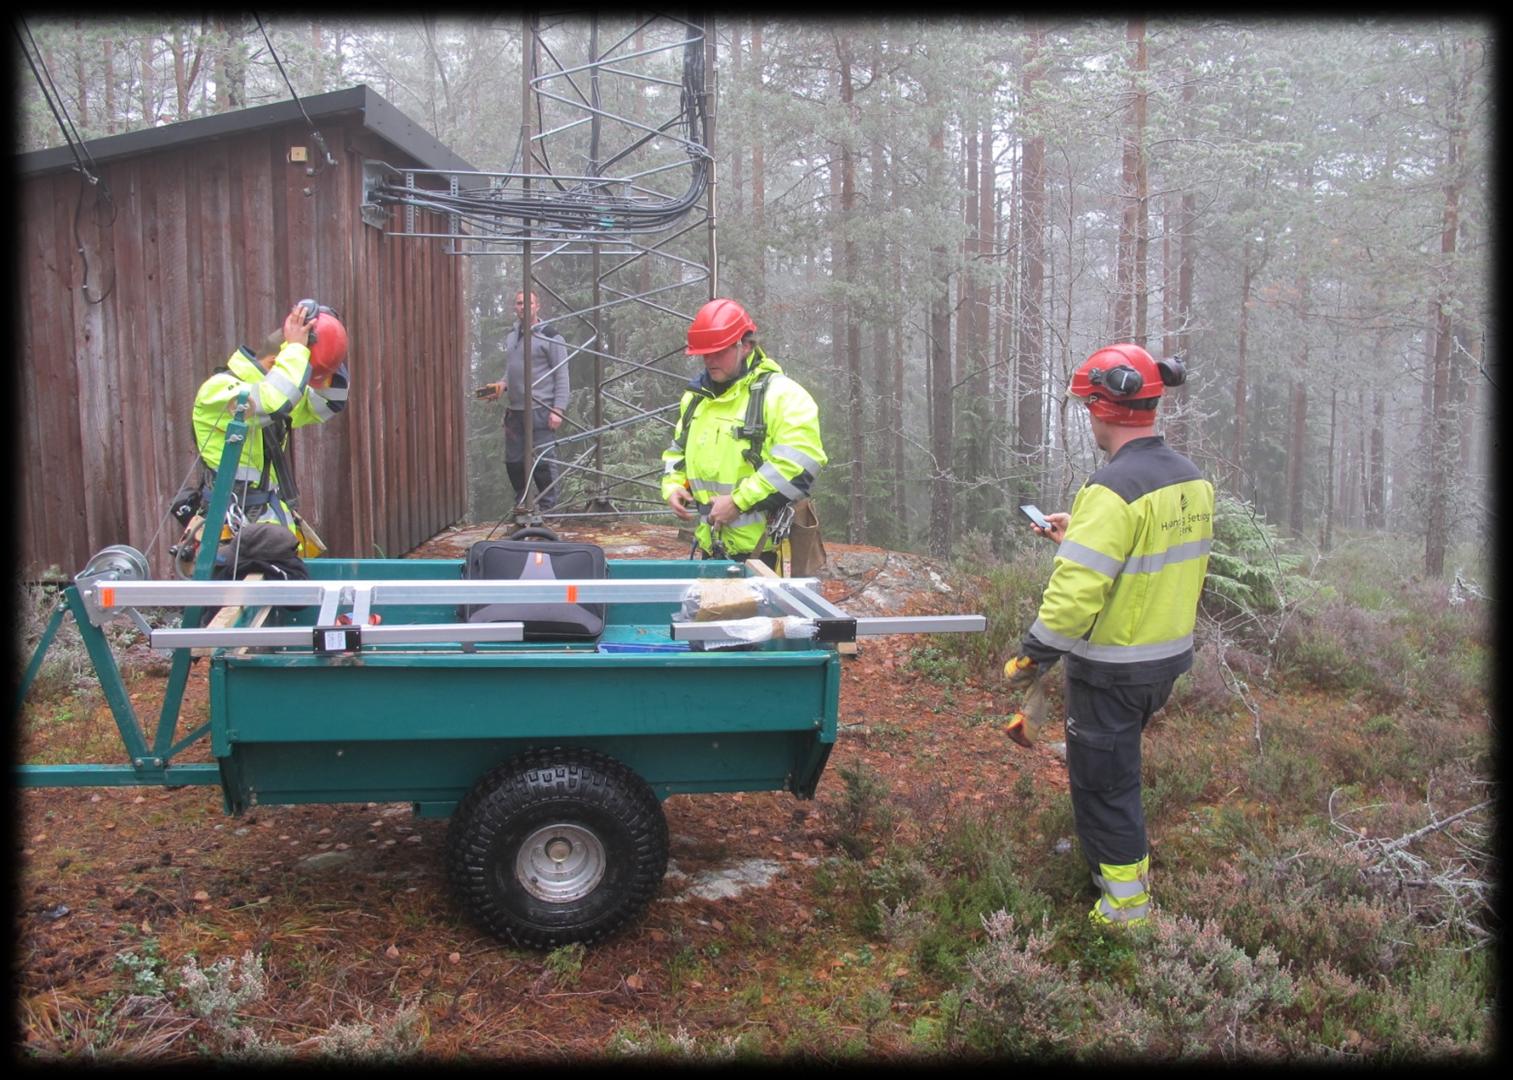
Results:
<point x="1347" y="650"/>
<point x="1248" y="570"/>
<point x="864" y="807"/>
<point x="1007" y="594"/>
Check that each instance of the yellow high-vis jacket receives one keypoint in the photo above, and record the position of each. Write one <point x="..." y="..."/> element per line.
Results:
<point x="709" y="454"/>
<point x="1123" y="597"/>
<point x="279" y="399"/>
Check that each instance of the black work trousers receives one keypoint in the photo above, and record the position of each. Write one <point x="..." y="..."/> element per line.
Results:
<point x="1103" y="730"/>
<point x="542" y="437"/>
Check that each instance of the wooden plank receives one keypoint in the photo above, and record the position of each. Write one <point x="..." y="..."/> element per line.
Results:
<point x="179" y="366"/>
<point x="128" y="406"/>
<point x="45" y="278"/>
<point x="226" y="617"/>
<point x="222" y="316"/>
<point x="200" y="345"/>
<point x="148" y="513"/>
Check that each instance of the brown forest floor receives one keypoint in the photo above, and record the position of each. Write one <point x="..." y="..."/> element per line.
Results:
<point x="376" y="937"/>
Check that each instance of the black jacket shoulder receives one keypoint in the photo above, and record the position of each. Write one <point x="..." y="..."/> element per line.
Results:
<point x="1142" y="466"/>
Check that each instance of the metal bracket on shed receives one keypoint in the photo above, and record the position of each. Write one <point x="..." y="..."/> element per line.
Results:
<point x="374" y="213"/>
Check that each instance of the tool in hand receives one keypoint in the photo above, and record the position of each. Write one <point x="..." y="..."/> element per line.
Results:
<point x="1024" y="673"/>
<point x="1024" y="726"/>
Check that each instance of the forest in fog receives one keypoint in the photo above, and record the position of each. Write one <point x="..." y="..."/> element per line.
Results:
<point x="934" y="221"/>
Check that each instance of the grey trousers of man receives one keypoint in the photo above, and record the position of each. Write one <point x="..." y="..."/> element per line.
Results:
<point x="547" y="469"/>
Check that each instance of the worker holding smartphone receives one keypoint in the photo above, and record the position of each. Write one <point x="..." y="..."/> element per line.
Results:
<point x="1120" y="608"/>
<point x="1052" y="526"/>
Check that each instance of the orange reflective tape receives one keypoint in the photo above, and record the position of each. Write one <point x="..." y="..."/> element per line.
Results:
<point x="107" y="596"/>
<point x="572" y="594"/>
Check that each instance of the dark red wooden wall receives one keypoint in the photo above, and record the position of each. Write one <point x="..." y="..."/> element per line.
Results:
<point x="208" y="245"/>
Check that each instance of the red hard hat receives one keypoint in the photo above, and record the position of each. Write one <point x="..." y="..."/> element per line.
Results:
<point x="1122" y="385"/>
<point x="718" y="324"/>
<point x="330" y="347"/>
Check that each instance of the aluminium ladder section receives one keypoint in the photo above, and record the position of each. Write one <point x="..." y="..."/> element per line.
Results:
<point x="792" y="596"/>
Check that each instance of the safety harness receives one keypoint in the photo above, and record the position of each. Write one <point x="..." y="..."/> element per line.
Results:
<point x="754" y="430"/>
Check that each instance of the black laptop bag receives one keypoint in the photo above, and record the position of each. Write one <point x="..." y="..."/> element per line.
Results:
<point x="528" y="560"/>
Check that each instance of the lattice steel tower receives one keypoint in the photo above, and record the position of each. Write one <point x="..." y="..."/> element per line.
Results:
<point x="610" y="207"/>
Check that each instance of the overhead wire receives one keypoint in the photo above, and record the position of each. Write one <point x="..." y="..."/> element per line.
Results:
<point x="78" y="147"/>
<point x="315" y="134"/>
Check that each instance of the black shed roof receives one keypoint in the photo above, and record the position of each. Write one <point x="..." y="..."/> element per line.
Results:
<point x="378" y="116"/>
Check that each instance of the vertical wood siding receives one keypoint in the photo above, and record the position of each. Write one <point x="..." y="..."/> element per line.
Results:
<point x="209" y="246"/>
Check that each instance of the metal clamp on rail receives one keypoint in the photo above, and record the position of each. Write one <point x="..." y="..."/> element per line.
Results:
<point x="835" y="629"/>
<point x="330" y="640"/>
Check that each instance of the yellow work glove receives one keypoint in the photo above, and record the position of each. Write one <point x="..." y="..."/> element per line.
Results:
<point x="1021" y="671"/>
<point x="1024" y="725"/>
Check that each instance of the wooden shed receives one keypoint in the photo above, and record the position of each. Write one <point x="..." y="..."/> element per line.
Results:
<point x="125" y="304"/>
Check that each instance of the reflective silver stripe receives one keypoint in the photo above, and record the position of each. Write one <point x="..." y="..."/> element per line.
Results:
<point x="333" y="393"/>
<point x="1047" y="636"/>
<point x="320" y="407"/>
<point x="673" y="466"/>
<point x="798" y="457"/>
<point x="1128" y="654"/>
<point x="1120" y="890"/>
<point x="280" y="382"/>
<point x="1086" y="556"/>
<point x="769" y="472"/>
<point x="247" y="472"/>
<point x="1116" y="914"/>
<point x="712" y="486"/>
<point x="1149" y="564"/>
<point x="753" y="518"/>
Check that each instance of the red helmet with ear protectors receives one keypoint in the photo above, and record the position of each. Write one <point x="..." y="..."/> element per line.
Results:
<point x="1123" y="385"/>
<point x="328" y="339"/>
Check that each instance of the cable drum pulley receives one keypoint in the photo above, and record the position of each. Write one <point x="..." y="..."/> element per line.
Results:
<point x="119" y="562"/>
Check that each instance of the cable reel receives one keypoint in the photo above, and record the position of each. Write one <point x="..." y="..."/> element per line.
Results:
<point x="119" y="562"/>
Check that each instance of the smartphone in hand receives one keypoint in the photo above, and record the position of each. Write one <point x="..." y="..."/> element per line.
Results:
<point x="1032" y="512"/>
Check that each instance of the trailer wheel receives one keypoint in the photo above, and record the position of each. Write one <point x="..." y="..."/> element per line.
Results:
<point x="557" y="846"/>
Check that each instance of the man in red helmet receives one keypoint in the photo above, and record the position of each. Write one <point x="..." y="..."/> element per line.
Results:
<point x="747" y="440"/>
<point x="1120" y="606"/>
<point x="298" y="377"/>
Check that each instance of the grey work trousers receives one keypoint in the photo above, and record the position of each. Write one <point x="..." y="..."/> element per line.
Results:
<point x="1104" y="725"/>
<point x="542" y="437"/>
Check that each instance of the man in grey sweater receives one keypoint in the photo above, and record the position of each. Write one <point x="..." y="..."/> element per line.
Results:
<point x="549" y="405"/>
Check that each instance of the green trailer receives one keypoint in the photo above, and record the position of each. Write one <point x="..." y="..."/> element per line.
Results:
<point x="551" y="758"/>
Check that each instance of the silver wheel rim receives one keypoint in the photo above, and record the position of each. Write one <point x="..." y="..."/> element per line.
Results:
<point x="560" y="863"/>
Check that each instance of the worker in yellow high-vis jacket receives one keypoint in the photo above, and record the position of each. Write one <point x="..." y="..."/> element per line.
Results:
<point x="746" y="442"/>
<point x="1120" y="607"/>
<point x="298" y="376"/>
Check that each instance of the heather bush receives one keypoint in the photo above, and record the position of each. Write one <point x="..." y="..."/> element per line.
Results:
<point x="1017" y="1000"/>
<point x="1205" y="689"/>
<point x="1348" y="650"/>
<point x="1190" y="993"/>
<point x="1202" y="996"/>
<point x="1309" y="899"/>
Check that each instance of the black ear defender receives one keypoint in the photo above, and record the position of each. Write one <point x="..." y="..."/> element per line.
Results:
<point x="1121" y="381"/>
<point x="1173" y="371"/>
<point x="311" y="309"/>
